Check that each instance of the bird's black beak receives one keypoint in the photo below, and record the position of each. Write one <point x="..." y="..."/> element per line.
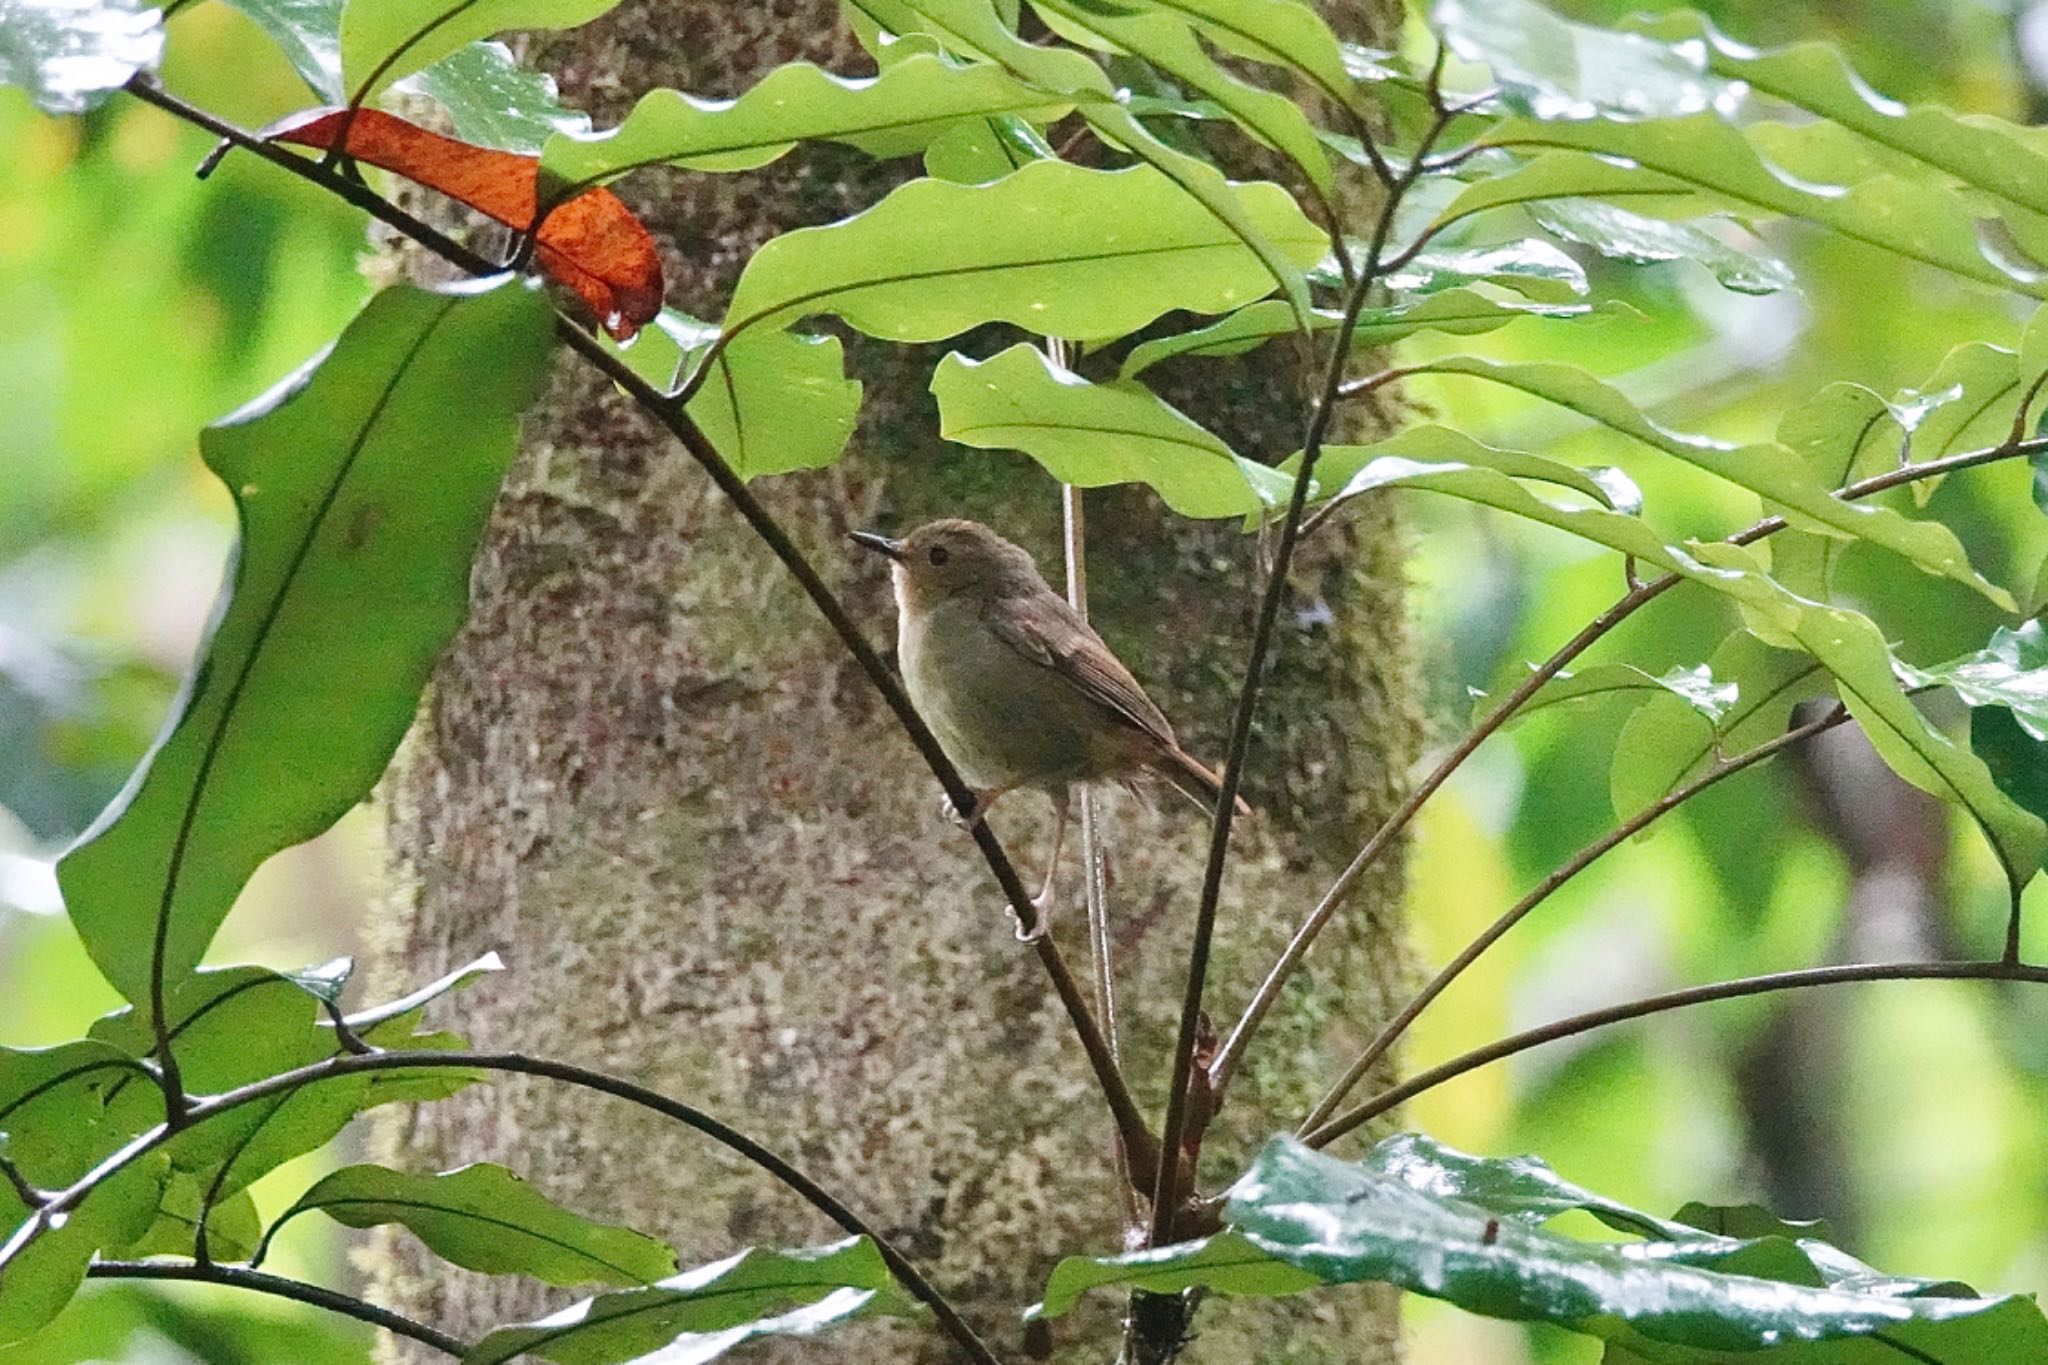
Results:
<point x="881" y="545"/>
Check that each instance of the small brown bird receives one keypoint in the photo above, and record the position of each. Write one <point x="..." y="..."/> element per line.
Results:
<point x="1018" y="689"/>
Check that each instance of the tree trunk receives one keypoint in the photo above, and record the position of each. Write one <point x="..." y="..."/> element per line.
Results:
<point x="648" y="774"/>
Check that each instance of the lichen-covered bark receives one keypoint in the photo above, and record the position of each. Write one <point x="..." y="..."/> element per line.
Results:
<point x="649" y="776"/>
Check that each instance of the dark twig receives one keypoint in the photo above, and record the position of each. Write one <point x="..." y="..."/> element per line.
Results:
<point x="1659" y="1004"/>
<point x="1542" y="891"/>
<point x="26" y="1192"/>
<point x="1627" y="605"/>
<point x="279" y="1287"/>
<point x="1173" y="1136"/>
<point x="1137" y="1139"/>
<point x="63" y="1202"/>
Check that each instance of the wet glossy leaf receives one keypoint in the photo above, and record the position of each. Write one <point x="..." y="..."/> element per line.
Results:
<point x="1665" y="743"/>
<point x="1531" y="267"/>
<point x="352" y="574"/>
<point x="70" y="54"/>
<point x="493" y="101"/>
<point x="593" y="243"/>
<point x="1616" y="232"/>
<point x="1225" y="1263"/>
<point x="2011" y="671"/>
<point x="1471" y="1231"/>
<point x="1967" y="403"/>
<point x="1551" y="68"/>
<point x="1096" y="434"/>
<point x="385" y="40"/>
<point x="1455" y="312"/>
<point x="1766" y="470"/>
<point x="1844" y="433"/>
<point x="1058" y="249"/>
<point x="704" y="1312"/>
<point x="484" y="1217"/>
<point x="460" y="978"/>
<point x="308" y="32"/>
<point x="1696" y="688"/>
<point x="896" y="113"/>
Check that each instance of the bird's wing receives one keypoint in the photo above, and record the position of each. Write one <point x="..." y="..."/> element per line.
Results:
<point x="1048" y="632"/>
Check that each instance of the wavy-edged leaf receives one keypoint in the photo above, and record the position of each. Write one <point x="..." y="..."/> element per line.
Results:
<point x="1846" y="643"/>
<point x="1531" y="267"/>
<point x="1455" y="312"/>
<point x="703" y="1312"/>
<point x="1986" y="153"/>
<point x="976" y="151"/>
<point x="972" y="28"/>
<point x="1968" y="402"/>
<point x="1616" y="232"/>
<point x="1665" y="743"/>
<point x="493" y="101"/>
<point x="1702" y="153"/>
<point x="895" y="113"/>
<point x="1096" y="434"/>
<point x="775" y="401"/>
<point x="1282" y="33"/>
<point x="386" y="40"/>
<point x="352" y="574"/>
<point x="231" y="1027"/>
<point x="71" y="54"/>
<point x="1695" y="688"/>
<point x="1055" y="248"/>
<point x="1551" y="68"/>
<point x="1769" y="471"/>
<point x="1341" y="469"/>
<point x="2011" y="671"/>
<point x="1165" y="40"/>
<point x="1224" y="1263"/>
<point x="483" y="1217"/>
<point x="1844" y="433"/>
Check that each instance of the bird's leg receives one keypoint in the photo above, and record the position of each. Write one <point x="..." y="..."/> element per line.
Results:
<point x="983" y="801"/>
<point x="1042" y="903"/>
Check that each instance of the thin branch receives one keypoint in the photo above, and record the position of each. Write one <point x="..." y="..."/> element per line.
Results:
<point x="278" y="1286"/>
<point x="1165" y="1198"/>
<point x="61" y="1203"/>
<point x="1660" y="1004"/>
<point x="26" y="1192"/>
<point x="1542" y="891"/>
<point x="1627" y="605"/>
<point x="1138" y="1140"/>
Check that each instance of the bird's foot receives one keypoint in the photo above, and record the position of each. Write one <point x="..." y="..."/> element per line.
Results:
<point x="1041" y="916"/>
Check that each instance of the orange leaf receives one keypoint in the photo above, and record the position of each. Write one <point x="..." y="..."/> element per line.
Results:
<point x="593" y="243"/>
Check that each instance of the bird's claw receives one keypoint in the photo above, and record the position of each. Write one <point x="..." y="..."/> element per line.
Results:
<point x="1041" y="914"/>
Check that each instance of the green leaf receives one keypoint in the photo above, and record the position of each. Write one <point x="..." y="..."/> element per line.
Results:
<point x="2011" y="671"/>
<point x="1278" y="33"/>
<point x="308" y="32"/>
<point x="1225" y="1263"/>
<point x="1616" y="232"/>
<point x="42" y="1264"/>
<point x="976" y="151"/>
<point x="1058" y="249"/>
<point x="484" y="1217"/>
<point x="1766" y="470"/>
<point x="1968" y="402"/>
<point x="1665" y="743"/>
<point x="461" y="977"/>
<point x="70" y="55"/>
<point x="972" y="28"/>
<point x="1988" y="154"/>
<point x="704" y="1312"/>
<point x="493" y="101"/>
<point x="1751" y="1220"/>
<point x="385" y="40"/>
<point x="1695" y="688"/>
<point x="1096" y="434"/>
<point x="232" y="1227"/>
<point x="776" y="401"/>
<point x="2018" y="762"/>
<point x="1470" y="1231"/>
<point x="232" y="1027"/>
<point x="352" y="574"/>
<point x="1844" y="433"/>
<point x="896" y="113"/>
<point x="1550" y="68"/>
<point x="1455" y="312"/>
<point x="1341" y="467"/>
<point x="1531" y="267"/>
<point x="1166" y="41"/>
<point x="1701" y="153"/>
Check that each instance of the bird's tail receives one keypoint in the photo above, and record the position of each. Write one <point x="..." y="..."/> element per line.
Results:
<point x="1186" y="775"/>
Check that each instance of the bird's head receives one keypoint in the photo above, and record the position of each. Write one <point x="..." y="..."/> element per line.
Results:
<point x="953" y="558"/>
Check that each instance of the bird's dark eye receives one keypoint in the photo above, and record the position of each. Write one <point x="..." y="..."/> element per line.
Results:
<point x="939" y="555"/>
